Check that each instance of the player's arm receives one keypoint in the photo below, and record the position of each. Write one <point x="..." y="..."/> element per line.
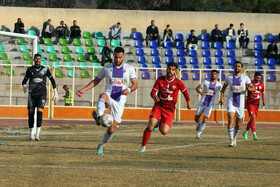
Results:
<point x="198" y="90"/>
<point x="90" y="85"/>
<point x="251" y="87"/>
<point x="154" y="91"/>
<point x="263" y="98"/>
<point x="49" y="75"/>
<point x="25" y="79"/>
<point x="133" y="87"/>
<point x="185" y="92"/>
<point x="222" y="94"/>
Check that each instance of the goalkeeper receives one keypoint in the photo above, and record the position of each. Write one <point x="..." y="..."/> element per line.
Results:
<point x="37" y="94"/>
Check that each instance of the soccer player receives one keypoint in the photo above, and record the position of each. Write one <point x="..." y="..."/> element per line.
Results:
<point x="37" y="93"/>
<point x="164" y="93"/>
<point x="208" y="91"/>
<point x="118" y="74"/>
<point x="253" y="100"/>
<point x="236" y="99"/>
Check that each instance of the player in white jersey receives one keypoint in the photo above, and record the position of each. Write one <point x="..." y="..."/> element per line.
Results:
<point x="208" y="91"/>
<point x="236" y="99"/>
<point x="118" y="75"/>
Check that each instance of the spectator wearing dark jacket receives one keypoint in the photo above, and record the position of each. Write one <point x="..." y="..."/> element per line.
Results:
<point x="217" y="35"/>
<point x="231" y="35"/>
<point x="106" y="54"/>
<point x="192" y="41"/>
<point x="47" y="31"/>
<point x="152" y="33"/>
<point x="62" y="30"/>
<point x="272" y="51"/>
<point x="19" y="27"/>
<point x="75" y="30"/>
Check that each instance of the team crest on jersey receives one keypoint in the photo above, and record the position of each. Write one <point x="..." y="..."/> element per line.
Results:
<point x="260" y="87"/>
<point x="173" y="87"/>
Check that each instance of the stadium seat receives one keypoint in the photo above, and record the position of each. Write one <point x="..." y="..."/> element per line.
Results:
<point x="3" y="56"/>
<point x="181" y="53"/>
<point x="156" y="60"/>
<point x="39" y="49"/>
<point x="259" y="69"/>
<point x="42" y="56"/>
<point x="143" y="66"/>
<point x="182" y="61"/>
<point x="91" y="50"/>
<point x="21" y="41"/>
<point x="101" y="43"/>
<point x="93" y="58"/>
<point x="219" y="61"/>
<point x="29" y="63"/>
<point x="187" y="36"/>
<point x="153" y="44"/>
<point x="231" y="68"/>
<point x="205" y="37"/>
<point x="44" y="63"/>
<point x="271" y="69"/>
<point x="67" y="58"/>
<point x="158" y="74"/>
<point x="25" y="56"/>
<point x="155" y="66"/>
<point x="154" y="52"/>
<point x="258" y="38"/>
<point x="10" y="72"/>
<point x="71" y="74"/>
<point x="31" y="32"/>
<point x="138" y="44"/>
<point x="83" y="66"/>
<point x="272" y="38"/>
<point x="81" y="58"/>
<point x="137" y="36"/>
<point x="207" y="76"/>
<point x="48" y="41"/>
<point x="63" y="42"/>
<point x="167" y="44"/>
<point x="184" y="76"/>
<point x="98" y="35"/>
<point x="86" y="35"/>
<point x="183" y="67"/>
<point x="272" y="62"/>
<point x="59" y="73"/>
<point x="231" y="61"/>
<point x="218" y="45"/>
<point x="180" y="45"/>
<point x="206" y="53"/>
<point x="85" y="74"/>
<point x="145" y="75"/>
<point x="53" y="57"/>
<point x="96" y="66"/>
<point x="69" y="65"/>
<point x="168" y="52"/>
<point x="50" y="49"/>
<point x="2" y="49"/>
<point x="115" y="43"/>
<point x="89" y="43"/>
<point x="207" y="61"/>
<point x="192" y="53"/>
<point x="259" y="62"/>
<point x="205" y="45"/>
<point x="220" y="67"/>
<point x="196" y="76"/>
<point x="218" y="53"/>
<point x="141" y="59"/>
<point x="194" y="67"/>
<point x="23" y="49"/>
<point x="258" y="54"/>
<point x="169" y="59"/>
<point x="179" y="37"/>
<point x="223" y="77"/>
<point x="258" y="46"/>
<point x="100" y="50"/>
<point x="77" y="42"/>
<point x="56" y="65"/>
<point x="139" y="52"/>
<point x="231" y="53"/>
<point x="270" y="77"/>
<point x="6" y="64"/>
<point x="230" y="45"/>
<point x="193" y="60"/>
<point x="79" y="50"/>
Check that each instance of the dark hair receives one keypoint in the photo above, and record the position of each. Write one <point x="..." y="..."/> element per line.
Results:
<point x="231" y="25"/>
<point x="241" y="24"/>
<point x="238" y="62"/>
<point x="118" y="23"/>
<point x="172" y="64"/>
<point x="48" y="20"/>
<point x="192" y="30"/>
<point x="257" y="74"/>
<point x="119" y="50"/>
<point x="37" y="55"/>
<point x="214" y="71"/>
<point x="168" y="25"/>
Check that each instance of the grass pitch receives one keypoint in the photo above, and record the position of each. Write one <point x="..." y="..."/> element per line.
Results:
<point x="66" y="156"/>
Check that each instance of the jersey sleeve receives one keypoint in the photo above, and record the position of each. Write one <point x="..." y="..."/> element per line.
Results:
<point x="220" y="86"/>
<point x="155" y="88"/>
<point x="132" y="74"/>
<point x="247" y="80"/>
<point x="49" y="75"/>
<point x="184" y="90"/>
<point x="101" y="74"/>
<point x="26" y="77"/>
<point x="202" y="84"/>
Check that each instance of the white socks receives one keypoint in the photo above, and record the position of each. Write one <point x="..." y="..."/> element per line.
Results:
<point x="201" y="129"/>
<point x="38" y="131"/>
<point x="106" y="138"/>
<point x="101" y="107"/>
<point x="32" y="133"/>
<point x="236" y="133"/>
<point x="230" y="133"/>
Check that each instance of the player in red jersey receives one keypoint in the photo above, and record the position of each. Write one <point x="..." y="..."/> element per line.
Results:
<point x="252" y="102"/>
<point x="164" y="93"/>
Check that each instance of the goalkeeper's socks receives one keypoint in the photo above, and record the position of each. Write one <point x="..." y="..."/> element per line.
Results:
<point x="31" y="119"/>
<point x="106" y="138"/>
<point x="101" y="106"/>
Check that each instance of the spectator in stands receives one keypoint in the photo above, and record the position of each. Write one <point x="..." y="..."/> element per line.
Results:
<point x="272" y="51"/>
<point x="116" y="32"/>
<point x="75" y="30"/>
<point x="243" y="36"/>
<point x="192" y="41"/>
<point x="19" y="27"/>
<point x="62" y="30"/>
<point x="47" y="31"/>
<point x="217" y="35"/>
<point x="152" y="33"/>
<point x="106" y="54"/>
<point x="231" y="35"/>
<point x="168" y="34"/>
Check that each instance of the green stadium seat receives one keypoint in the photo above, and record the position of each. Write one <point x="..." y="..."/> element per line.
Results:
<point x="85" y="74"/>
<point x="44" y="63"/>
<point x="79" y="50"/>
<point x="2" y="49"/>
<point x="3" y="56"/>
<point x="50" y="49"/>
<point x="86" y="35"/>
<point x="56" y="65"/>
<point x="107" y="63"/>
<point x="65" y="50"/>
<point x="82" y="66"/>
<point x="39" y="49"/>
<point x="21" y="41"/>
<point x="42" y="56"/>
<point x="91" y="50"/>
<point x="53" y="57"/>
<point x="89" y="43"/>
<point x="29" y="63"/>
<point x="6" y="64"/>
<point x="63" y="42"/>
<point x="77" y="42"/>
<point x="81" y="58"/>
<point x="9" y="72"/>
<point x="96" y="65"/>
<point x="115" y="43"/>
<point x="98" y="35"/>
<point x="93" y="58"/>
<point x="23" y="49"/>
<point x="48" y="41"/>
<point x="69" y="65"/>
<point x="31" y="32"/>
<point x="67" y="58"/>
<point x="101" y="43"/>
<point x="71" y="74"/>
<point x="59" y="73"/>
<point x="100" y="50"/>
<point x="96" y="72"/>
<point x="26" y="56"/>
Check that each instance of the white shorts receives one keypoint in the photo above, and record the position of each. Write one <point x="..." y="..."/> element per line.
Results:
<point x="202" y="108"/>
<point x="116" y="107"/>
<point x="239" y="111"/>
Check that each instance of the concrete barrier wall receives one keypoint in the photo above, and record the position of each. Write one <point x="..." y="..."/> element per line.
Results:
<point x="135" y="20"/>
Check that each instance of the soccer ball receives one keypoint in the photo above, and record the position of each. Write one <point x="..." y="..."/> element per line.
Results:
<point x="106" y="120"/>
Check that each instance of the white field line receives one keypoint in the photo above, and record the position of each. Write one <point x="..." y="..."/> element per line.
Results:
<point x="138" y="169"/>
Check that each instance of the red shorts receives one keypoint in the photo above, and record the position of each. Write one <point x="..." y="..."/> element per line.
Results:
<point x="165" y="115"/>
<point x="253" y="110"/>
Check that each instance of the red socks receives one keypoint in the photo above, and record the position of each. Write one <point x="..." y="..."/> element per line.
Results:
<point x="146" y="137"/>
<point x="251" y="125"/>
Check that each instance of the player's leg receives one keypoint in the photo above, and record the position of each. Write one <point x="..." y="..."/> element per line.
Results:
<point x="199" y="111"/>
<point x="31" y="109"/>
<point x="231" y="128"/>
<point x="102" y="104"/>
<point x="207" y="113"/>
<point x="147" y="133"/>
<point x="164" y="128"/>
<point x="249" y="124"/>
<point x="40" y="107"/>
<point x="166" y="121"/>
<point x="256" y="110"/>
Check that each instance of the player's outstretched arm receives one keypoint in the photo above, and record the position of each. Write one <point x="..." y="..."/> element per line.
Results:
<point x="198" y="90"/>
<point x="90" y="85"/>
<point x="133" y="87"/>
<point x="222" y="100"/>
